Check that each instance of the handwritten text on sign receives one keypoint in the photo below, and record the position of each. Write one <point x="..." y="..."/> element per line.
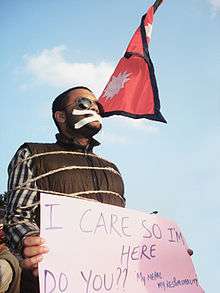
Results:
<point x="95" y="247"/>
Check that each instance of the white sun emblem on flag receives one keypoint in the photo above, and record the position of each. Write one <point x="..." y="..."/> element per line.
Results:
<point x="116" y="84"/>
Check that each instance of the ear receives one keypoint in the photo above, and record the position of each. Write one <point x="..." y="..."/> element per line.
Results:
<point x="60" y="116"/>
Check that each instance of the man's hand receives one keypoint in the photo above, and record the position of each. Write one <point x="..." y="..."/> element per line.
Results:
<point x="33" y="251"/>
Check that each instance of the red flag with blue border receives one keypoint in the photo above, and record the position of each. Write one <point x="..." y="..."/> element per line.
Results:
<point x="132" y="89"/>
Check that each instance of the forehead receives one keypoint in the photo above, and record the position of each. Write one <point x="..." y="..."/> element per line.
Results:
<point x="73" y="95"/>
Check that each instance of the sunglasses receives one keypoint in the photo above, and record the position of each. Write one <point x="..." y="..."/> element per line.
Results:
<point x="82" y="103"/>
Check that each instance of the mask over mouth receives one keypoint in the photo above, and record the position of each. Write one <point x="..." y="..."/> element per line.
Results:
<point x="92" y="118"/>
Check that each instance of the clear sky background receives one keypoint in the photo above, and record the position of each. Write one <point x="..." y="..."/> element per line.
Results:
<point x="48" y="46"/>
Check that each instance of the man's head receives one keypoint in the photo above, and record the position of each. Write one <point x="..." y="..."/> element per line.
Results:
<point x="76" y="113"/>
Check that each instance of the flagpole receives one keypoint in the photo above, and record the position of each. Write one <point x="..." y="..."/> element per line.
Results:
<point x="157" y="4"/>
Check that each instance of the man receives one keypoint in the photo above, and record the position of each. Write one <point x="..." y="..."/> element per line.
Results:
<point x="67" y="167"/>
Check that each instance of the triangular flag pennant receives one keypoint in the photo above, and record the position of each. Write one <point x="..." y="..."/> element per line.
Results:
<point x="132" y="89"/>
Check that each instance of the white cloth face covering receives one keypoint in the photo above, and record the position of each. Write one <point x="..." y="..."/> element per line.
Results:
<point x="93" y="117"/>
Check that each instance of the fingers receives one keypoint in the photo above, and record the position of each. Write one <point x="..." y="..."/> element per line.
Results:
<point x="32" y="262"/>
<point x="31" y="251"/>
<point x="33" y="241"/>
<point x="35" y="272"/>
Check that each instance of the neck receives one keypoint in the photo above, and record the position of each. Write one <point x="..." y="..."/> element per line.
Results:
<point x="77" y="139"/>
<point x="82" y="141"/>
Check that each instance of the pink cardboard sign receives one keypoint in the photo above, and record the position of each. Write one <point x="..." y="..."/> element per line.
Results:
<point x="96" y="247"/>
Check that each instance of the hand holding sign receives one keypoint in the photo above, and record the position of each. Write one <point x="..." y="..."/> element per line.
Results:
<point x="33" y="253"/>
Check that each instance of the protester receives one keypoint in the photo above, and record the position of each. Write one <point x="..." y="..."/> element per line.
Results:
<point x="66" y="167"/>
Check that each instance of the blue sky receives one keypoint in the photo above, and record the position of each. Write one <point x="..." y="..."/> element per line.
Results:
<point x="48" y="46"/>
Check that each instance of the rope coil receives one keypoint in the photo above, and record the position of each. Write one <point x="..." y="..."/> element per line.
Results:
<point x="58" y="153"/>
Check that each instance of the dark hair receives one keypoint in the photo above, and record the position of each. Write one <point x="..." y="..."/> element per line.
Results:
<point x="59" y="101"/>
